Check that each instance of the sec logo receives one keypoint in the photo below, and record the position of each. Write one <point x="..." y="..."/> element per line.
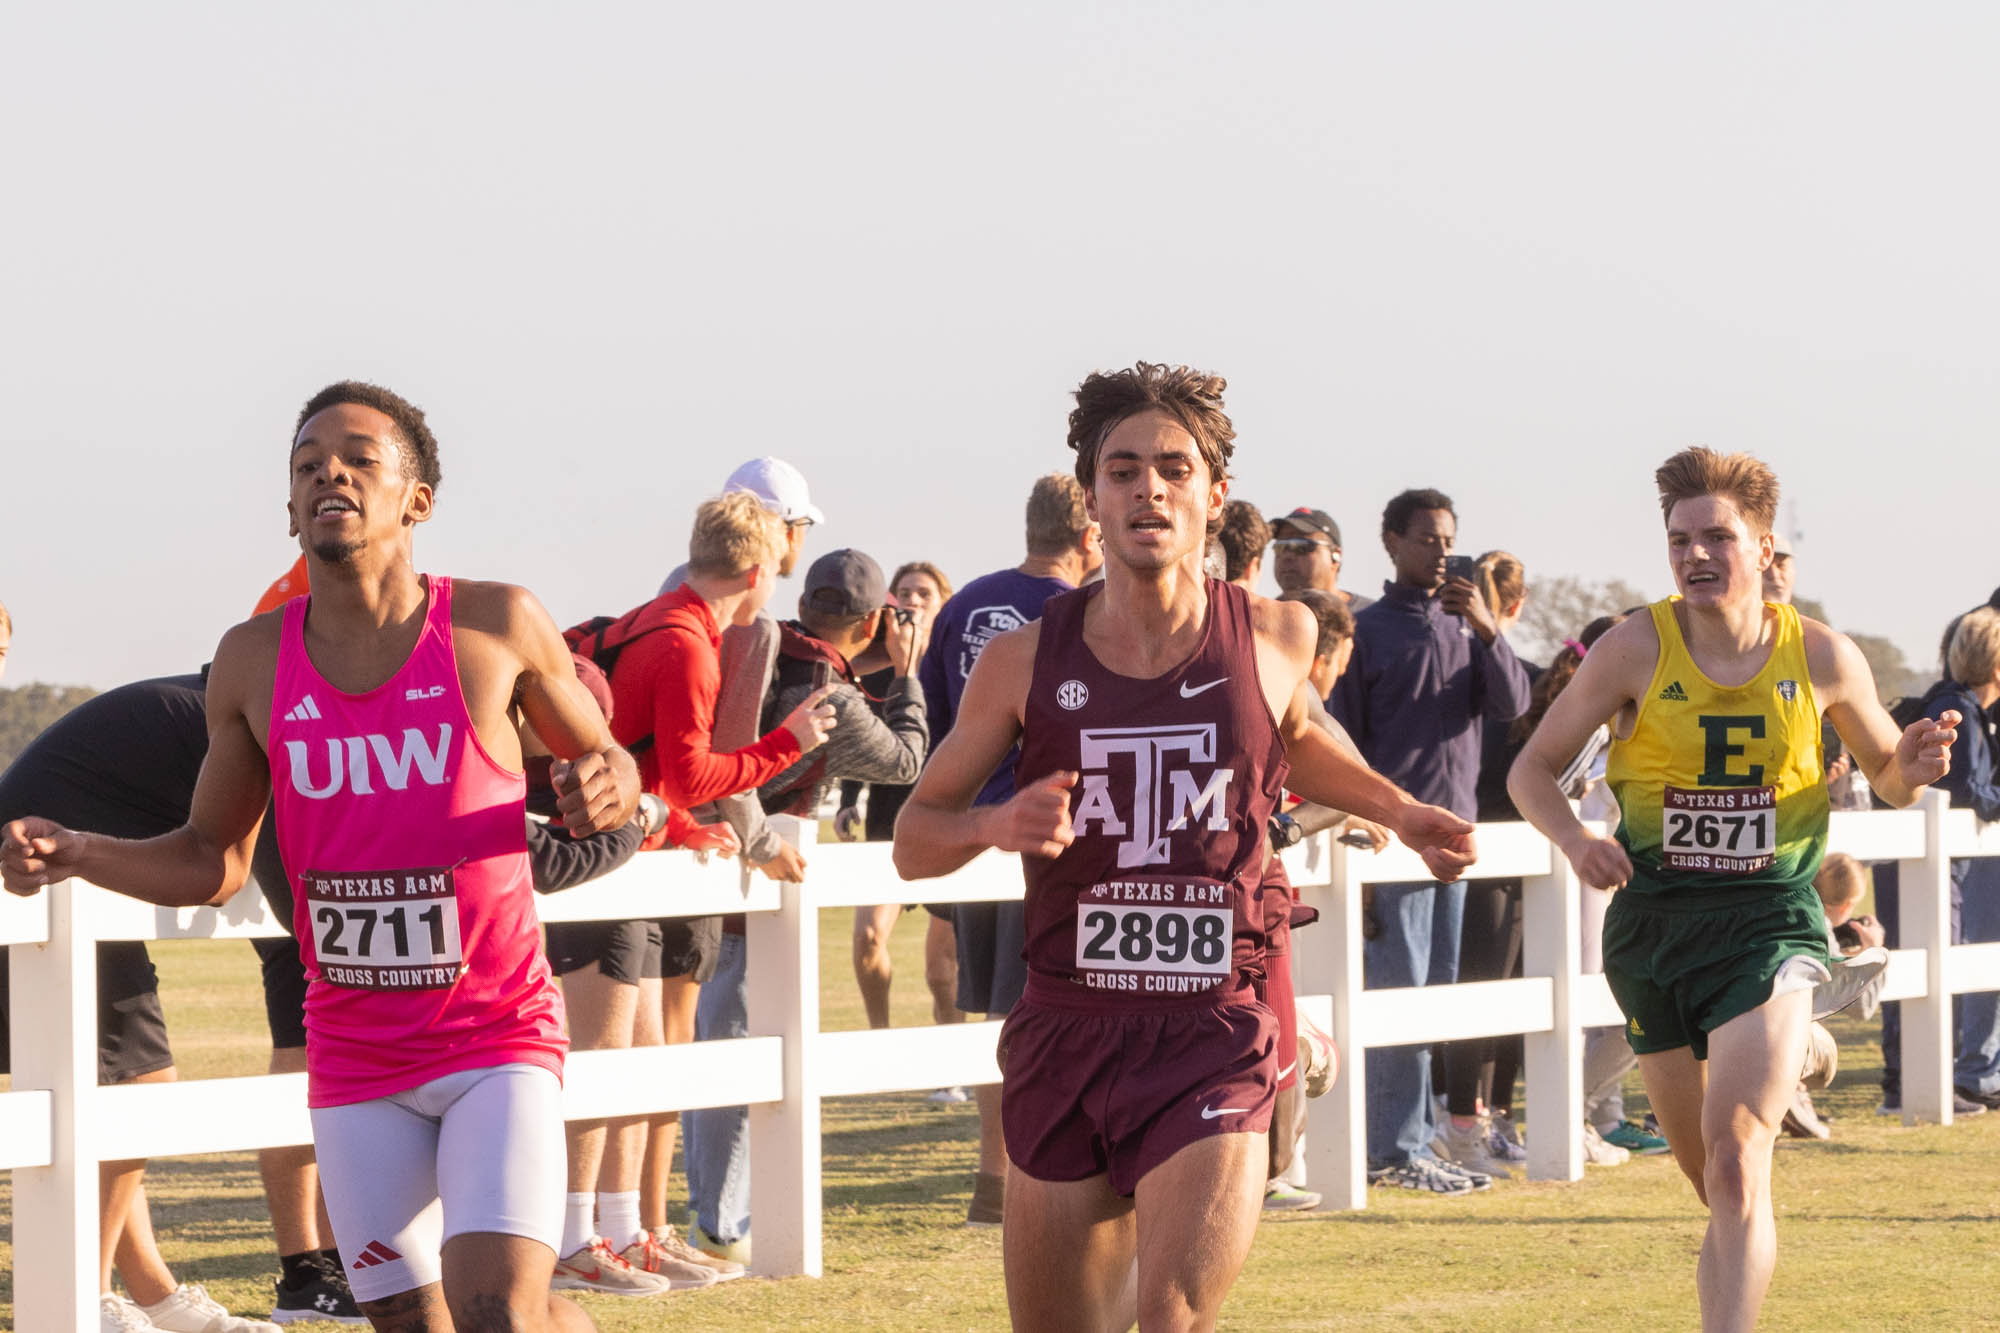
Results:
<point x="1072" y="694"/>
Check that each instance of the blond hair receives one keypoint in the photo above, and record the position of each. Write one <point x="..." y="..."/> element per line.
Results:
<point x="1057" y="515"/>
<point x="1503" y="580"/>
<point x="1841" y="880"/>
<point x="1741" y="479"/>
<point x="733" y="532"/>
<point x="1975" y="647"/>
<point x="929" y="571"/>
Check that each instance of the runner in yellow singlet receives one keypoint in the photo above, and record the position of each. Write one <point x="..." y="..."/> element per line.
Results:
<point x="1716" y="941"/>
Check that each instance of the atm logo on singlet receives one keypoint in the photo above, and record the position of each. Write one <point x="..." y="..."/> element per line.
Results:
<point x="364" y="765"/>
<point x="1174" y="785"/>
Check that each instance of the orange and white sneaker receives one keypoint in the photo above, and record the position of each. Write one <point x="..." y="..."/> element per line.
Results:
<point x="598" y="1267"/>
<point x="674" y="1244"/>
<point x="648" y="1255"/>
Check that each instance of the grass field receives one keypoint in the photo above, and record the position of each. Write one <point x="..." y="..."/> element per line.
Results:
<point x="1885" y="1227"/>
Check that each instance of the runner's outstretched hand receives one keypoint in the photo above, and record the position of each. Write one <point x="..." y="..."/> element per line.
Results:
<point x="1924" y="754"/>
<point x="34" y="852"/>
<point x="1440" y="837"/>
<point x="1035" y="820"/>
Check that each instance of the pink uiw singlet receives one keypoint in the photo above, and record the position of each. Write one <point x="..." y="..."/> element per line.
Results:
<point x="412" y="899"/>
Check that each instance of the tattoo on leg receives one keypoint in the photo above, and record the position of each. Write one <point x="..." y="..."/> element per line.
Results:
<point x="490" y="1312"/>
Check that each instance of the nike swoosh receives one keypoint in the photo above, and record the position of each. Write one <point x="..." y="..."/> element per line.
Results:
<point x="1217" y="1112"/>
<point x="1187" y="693"/>
<point x="1286" y="1072"/>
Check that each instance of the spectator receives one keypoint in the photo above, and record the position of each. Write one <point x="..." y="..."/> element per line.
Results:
<point x="1243" y="536"/>
<point x="841" y="615"/>
<point x="1842" y="882"/>
<point x="921" y="589"/>
<point x="1305" y="553"/>
<point x="665" y="682"/>
<point x="1064" y="550"/>
<point x="1779" y="574"/>
<point x="1970" y="688"/>
<point x="1430" y="664"/>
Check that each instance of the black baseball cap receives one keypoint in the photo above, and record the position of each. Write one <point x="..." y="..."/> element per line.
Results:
<point x="845" y="583"/>
<point x="1309" y="520"/>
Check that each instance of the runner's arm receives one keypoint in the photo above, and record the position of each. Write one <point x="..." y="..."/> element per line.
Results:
<point x="1601" y="687"/>
<point x="939" y="830"/>
<point x="205" y="860"/>
<point x="598" y="786"/>
<point x="1898" y="767"/>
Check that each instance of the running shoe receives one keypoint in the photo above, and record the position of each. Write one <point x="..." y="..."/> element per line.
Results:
<point x="1503" y="1142"/>
<point x="1634" y="1138"/>
<point x="1853" y="977"/>
<point x="115" y="1314"/>
<point x="1961" y="1106"/>
<point x="1281" y="1197"/>
<point x="1596" y="1152"/>
<point x="1480" y="1180"/>
<point x="597" y="1267"/>
<point x="325" y="1296"/>
<point x="1801" y="1120"/>
<point x="1319" y="1059"/>
<point x="192" y="1310"/>
<point x="1989" y="1100"/>
<point x="1466" y="1146"/>
<point x="1425" y="1174"/>
<point x="949" y="1097"/>
<point x="1822" y="1057"/>
<point x="649" y="1256"/>
<point x="670" y="1240"/>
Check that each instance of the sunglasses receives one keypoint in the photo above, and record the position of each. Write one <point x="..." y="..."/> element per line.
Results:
<point x="1302" y="545"/>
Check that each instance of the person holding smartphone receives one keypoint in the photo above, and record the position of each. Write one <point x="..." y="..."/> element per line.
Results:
<point x="1430" y="665"/>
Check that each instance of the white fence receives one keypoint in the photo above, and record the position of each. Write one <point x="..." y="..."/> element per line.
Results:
<point x="57" y="1125"/>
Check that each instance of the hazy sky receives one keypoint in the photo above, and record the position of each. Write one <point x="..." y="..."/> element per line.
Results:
<point x="1520" y="252"/>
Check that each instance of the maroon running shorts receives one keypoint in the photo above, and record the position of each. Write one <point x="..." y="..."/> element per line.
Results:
<point x="1088" y="1093"/>
<point x="1284" y="1004"/>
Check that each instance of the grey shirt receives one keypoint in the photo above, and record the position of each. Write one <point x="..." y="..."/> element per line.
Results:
<point x="870" y="747"/>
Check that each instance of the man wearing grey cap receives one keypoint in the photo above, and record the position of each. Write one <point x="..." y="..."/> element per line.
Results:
<point x="1305" y="553"/>
<point x="842" y="612"/>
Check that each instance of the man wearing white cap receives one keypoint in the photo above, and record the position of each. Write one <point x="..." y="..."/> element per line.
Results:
<point x="1779" y="575"/>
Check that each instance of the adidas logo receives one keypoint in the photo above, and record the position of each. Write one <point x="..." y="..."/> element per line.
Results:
<point x="1672" y="694"/>
<point x="305" y="711"/>
<point x="374" y="1254"/>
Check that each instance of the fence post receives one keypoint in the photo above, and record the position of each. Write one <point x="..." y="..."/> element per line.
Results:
<point x="783" y="970"/>
<point x="1551" y="939"/>
<point x="1336" y="1153"/>
<point x="53" y="1009"/>
<point x="1925" y="889"/>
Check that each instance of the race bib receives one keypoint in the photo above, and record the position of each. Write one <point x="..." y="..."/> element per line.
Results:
<point x="1722" y="830"/>
<point x="392" y="931"/>
<point x="1155" y="937"/>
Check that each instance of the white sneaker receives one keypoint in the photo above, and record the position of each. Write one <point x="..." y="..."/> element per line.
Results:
<point x="1468" y="1147"/>
<point x="598" y="1267"/>
<point x="1596" y="1152"/>
<point x="1856" y="978"/>
<point x="949" y="1097"/>
<point x="671" y="1241"/>
<point x="115" y="1314"/>
<point x="192" y="1310"/>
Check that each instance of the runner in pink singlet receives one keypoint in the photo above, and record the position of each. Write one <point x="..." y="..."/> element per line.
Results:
<point x="383" y="710"/>
<point x="412" y="901"/>
<point x="1155" y="718"/>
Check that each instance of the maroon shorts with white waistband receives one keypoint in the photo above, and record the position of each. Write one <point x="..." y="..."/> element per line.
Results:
<point x="1089" y="1092"/>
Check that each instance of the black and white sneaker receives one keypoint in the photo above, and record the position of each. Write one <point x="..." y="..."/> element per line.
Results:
<point x="326" y="1297"/>
<point x="1427" y="1174"/>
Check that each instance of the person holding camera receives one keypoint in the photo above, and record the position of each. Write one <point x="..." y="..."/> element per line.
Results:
<point x="1430" y="665"/>
<point x="842" y="615"/>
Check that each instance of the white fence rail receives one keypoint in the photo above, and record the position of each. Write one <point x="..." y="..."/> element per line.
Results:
<point x="57" y="1124"/>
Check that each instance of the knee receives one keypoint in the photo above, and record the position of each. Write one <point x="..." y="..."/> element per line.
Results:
<point x="1169" y="1307"/>
<point x="1736" y="1175"/>
<point x="868" y="942"/>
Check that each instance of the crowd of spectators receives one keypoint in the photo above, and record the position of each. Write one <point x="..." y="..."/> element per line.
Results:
<point x="736" y="716"/>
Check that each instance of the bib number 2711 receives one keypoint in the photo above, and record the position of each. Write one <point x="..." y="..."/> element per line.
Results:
<point x="392" y="931"/>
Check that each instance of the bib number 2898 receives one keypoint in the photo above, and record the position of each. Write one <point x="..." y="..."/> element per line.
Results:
<point x="1176" y="939"/>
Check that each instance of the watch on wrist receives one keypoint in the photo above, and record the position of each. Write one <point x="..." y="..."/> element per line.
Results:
<point x="652" y="813"/>
<point x="1285" y="832"/>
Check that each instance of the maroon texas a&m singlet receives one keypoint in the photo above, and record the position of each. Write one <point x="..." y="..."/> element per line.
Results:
<point x="1156" y="900"/>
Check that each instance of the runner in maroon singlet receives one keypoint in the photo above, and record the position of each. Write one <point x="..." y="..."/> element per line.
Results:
<point x="1156" y="715"/>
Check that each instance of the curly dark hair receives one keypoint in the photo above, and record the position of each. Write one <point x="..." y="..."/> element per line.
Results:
<point x="415" y="435"/>
<point x="1191" y="397"/>
<point x="1396" y="515"/>
<point x="1244" y="535"/>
